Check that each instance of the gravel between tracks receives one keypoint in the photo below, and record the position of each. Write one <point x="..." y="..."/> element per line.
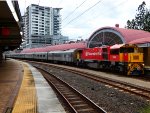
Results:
<point x="110" y="99"/>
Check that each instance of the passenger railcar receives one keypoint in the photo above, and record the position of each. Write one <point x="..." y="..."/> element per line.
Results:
<point x="40" y="56"/>
<point x="69" y="56"/>
<point x="28" y="56"/>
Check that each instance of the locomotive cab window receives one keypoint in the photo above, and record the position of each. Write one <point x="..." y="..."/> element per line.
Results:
<point x="114" y="51"/>
<point x="104" y="50"/>
<point x="127" y="50"/>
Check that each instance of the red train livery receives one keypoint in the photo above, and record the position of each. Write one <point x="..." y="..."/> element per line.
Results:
<point x="125" y="58"/>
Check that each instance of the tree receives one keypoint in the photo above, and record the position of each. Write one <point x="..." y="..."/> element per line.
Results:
<point x="147" y="21"/>
<point x="140" y="16"/>
<point x="131" y="24"/>
<point x="142" y="19"/>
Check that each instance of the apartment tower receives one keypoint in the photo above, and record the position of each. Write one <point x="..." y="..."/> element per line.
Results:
<point x="41" y="24"/>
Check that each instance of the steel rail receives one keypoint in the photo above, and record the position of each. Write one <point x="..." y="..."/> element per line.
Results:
<point x="77" y="102"/>
<point x="128" y="87"/>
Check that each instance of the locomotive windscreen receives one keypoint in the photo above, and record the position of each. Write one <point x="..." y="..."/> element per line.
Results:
<point x="127" y="50"/>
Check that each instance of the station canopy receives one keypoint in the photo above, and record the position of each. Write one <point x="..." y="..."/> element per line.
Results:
<point x="61" y="47"/>
<point x="10" y="37"/>
<point x="115" y="35"/>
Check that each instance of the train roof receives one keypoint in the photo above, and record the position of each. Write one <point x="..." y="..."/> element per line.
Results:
<point x="116" y="46"/>
<point x="55" y="52"/>
<point x="66" y="51"/>
<point x="71" y="50"/>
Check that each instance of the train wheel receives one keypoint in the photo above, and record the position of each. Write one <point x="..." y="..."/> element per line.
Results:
<point x="77" y="64"/>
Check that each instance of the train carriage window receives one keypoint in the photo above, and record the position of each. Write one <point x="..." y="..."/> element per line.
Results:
<point x="50" y="55"/>
<point x="114" y="51"/>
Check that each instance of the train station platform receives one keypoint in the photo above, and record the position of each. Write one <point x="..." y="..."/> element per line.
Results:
<point x="147" y="70"/>
<point x="24" y="90"/>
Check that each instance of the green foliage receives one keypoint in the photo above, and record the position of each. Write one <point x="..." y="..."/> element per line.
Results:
<point x="145" y="110"/>
<point x="142" y="19"/>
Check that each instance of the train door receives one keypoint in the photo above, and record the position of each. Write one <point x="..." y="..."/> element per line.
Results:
<point x="105" y="53"/>
<point x="123" y="54"/>
<point x="78" y="57"/>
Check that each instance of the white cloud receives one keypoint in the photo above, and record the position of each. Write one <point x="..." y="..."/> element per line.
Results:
<point x="106" y="13"/>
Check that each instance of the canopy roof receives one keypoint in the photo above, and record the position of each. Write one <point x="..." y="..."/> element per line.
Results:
<point x="115" y="35"/>
<point x="80" y="45"/>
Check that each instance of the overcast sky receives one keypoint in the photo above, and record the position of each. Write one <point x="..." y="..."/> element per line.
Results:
<point x="80" y="18"/>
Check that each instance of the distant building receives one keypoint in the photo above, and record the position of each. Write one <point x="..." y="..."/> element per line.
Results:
<point x="41" y="24"/>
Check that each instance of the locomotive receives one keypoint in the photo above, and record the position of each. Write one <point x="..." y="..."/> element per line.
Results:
<point x="123" y="58"/>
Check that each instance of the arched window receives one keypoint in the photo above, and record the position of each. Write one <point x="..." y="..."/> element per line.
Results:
<point x="105" y="37"/>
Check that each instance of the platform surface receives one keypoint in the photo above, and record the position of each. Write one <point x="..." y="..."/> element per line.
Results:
<point x="10" y="79"/>
<point x="35" y="94"/>
<point x="24" y="90"/>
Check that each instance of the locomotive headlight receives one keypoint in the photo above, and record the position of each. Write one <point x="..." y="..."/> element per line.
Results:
<point x="138" y="68"/>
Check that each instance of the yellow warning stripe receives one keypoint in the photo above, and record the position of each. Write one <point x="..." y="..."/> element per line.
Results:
<point x="26" y="101"/>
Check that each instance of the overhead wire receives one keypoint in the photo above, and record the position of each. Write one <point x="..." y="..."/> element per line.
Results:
<point x="74" y="10"/>
<point x="99" y="15"/>
<point x="83" y="12"/>
<point x="110" y="10"/>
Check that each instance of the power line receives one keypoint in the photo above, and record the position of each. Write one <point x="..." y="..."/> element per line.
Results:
<point x="83" y="12"/>
<point x="74" y="10"/>
<point x="111" y="9"/>
<point x="118" y="5"/>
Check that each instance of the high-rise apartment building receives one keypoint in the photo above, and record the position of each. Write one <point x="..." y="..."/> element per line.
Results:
<point x="41" y="24"/>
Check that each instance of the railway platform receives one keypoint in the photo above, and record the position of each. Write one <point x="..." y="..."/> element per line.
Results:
<point x="147" y="70"/>
<point x="24" y="90"/>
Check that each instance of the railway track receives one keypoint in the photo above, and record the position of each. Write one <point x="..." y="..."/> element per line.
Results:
<point x="132" y="88"/>
<point x="127" y="87"/>
<point x="77" y="102"/>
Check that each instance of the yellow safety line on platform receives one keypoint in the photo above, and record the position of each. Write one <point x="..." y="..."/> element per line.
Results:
<point x="26" y="101"/>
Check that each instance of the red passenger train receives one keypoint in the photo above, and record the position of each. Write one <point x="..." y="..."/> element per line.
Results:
<point x="124" y="58"/>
